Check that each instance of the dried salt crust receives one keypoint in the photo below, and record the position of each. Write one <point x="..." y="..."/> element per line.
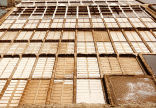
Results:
<point x="134" y="90"/>
<point x="121" y="65"/>
<point x="62" y="92"/>
<point x="64" y="68"/>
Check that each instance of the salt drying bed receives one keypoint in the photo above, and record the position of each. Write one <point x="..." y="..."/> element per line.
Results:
<point x="134" y="90"/>
<point x="89" y="91"/>
<point x="78" y="53"/>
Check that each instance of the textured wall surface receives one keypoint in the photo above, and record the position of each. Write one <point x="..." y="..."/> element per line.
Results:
<point x="2" y="12"/>
<point x="3" y="2"/>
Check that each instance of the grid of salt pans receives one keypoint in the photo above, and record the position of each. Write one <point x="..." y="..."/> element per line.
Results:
<point x="35" y="92"/>
<point x="31" y="24"/>
<point x="68" y="35"/>
<point x="18" y="24"/>
<point x="110" y="65"/>
<point x="148" y="22"/>
<point x="28" y="3"/>
<point x="55" y="35"/>
<point x="152" y="45"/>
<point x="121" y="65"/>
<point x="87" y="67"/>
<point x="66" y="48"/>
<point x="24" y="68"/>
<point x="147" y="36"/>
<point x="7" y="66"/>
<point x="39" y="35"/>
<point x="132" y="36"/>
<point x="24" y="35"/>
<point x="33" y="48"/>
<point x="89" y="91"/>
<point x="101" y="36"/>
<point x="137" y="23"/>
<point x="123" y="22"/>
<point x="117" y="36"/>
<point x="44" y="67"/>
<point x="105" y="47"/>
<point x="110" y="23"/>
<point x="64" y="67"/>
<point x="140" y="47"/>
<point x="62" y="92"/>
<point x="36" y="43"/>
<point x="29" y="17"/>
<point x="49" y="48"/>
<point x="16" y="48"/>
<point x="47" y="78"/>
<point x="4" y="47"/>
<point x="13" y="93"/>
<point x="44" y="24"/>
<point x="9" y="35"/>
<point x="84" y="36"/>
<point x="70" y="24"/>
<point x="123" y="47"/>
<point x="6" y="24"/>
<point x="130" y="66"/>
<point x="85" y="48"/>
